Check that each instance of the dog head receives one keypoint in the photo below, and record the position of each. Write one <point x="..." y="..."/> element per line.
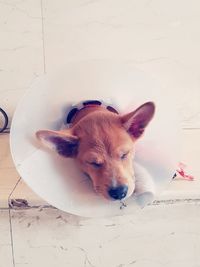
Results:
<point x="103" y="145"/>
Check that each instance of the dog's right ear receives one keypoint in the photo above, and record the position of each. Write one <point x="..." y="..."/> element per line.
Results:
<point x="136" y="121"/>
<point x="63" y="143"/>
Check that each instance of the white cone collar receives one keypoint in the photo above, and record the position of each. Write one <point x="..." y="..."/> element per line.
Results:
<point x="45" y="106"/>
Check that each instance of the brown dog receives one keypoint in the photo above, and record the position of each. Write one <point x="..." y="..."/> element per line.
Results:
<point x="102" y="142"/>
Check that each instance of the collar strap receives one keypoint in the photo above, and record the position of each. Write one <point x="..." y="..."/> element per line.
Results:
<point x="89" y="103"/>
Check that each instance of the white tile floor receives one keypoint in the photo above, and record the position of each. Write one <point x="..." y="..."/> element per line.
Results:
<point x="6" y="258"/>
<point x="156" y="236"/>
<point x="158" y="37"/>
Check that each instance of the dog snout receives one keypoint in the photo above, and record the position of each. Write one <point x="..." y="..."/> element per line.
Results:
<point x="118" y="192"/>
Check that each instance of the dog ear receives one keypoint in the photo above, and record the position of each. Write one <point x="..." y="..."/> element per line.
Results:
<point x="136" y="121"/>
<point x="63" y="143"/>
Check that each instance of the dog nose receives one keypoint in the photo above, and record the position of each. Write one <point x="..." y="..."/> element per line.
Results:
<point x="118" y="192"/>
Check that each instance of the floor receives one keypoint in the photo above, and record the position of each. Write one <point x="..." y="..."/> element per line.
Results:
<point x="159" y="37"/>
<point x="47" y="237"/>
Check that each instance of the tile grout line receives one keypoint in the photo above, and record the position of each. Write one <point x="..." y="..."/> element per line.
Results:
<point x="43" y="41"/>
<point x="11" y="237"/>
<point x="10" y="222"/>
<point x="190" y="128"/>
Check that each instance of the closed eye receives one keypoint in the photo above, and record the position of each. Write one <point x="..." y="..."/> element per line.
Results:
<point x="96" y="164"/>
<point x="124" y="156"/>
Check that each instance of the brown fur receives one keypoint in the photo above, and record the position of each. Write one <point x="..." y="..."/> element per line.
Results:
<point x="103" y="140"/>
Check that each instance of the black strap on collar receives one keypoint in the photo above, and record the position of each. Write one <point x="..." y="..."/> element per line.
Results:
<point x="83" y="105"/>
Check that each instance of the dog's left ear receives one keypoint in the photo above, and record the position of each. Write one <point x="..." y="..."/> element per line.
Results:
<point x="63" y="143"/>
<point x="136" y="121"/>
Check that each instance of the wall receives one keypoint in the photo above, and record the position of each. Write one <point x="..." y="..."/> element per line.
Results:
<point x="160" y="37"/>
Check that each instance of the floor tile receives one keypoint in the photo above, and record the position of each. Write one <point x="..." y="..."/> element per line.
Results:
<point x="24" y="192"/>
<point x="158" y="236"/>
<point x="9" y="178"/>
<point x="5" y="155"/>
<point x="8" y="173"/>
<point x="5" y="240"/>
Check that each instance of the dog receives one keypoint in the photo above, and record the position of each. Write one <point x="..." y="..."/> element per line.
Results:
<point x="103" y="144"/>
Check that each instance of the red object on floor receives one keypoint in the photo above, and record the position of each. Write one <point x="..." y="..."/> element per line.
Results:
<point x="182" y="173"/>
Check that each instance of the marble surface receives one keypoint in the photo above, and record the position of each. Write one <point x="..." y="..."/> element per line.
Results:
<point x="21" y="49"/>
<point x="11" y="186"/>
<point x="160" y="38"/>
<point x="156" y="236"/>
<point x="5" y="240"/>
<point x="8" y="173"/>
